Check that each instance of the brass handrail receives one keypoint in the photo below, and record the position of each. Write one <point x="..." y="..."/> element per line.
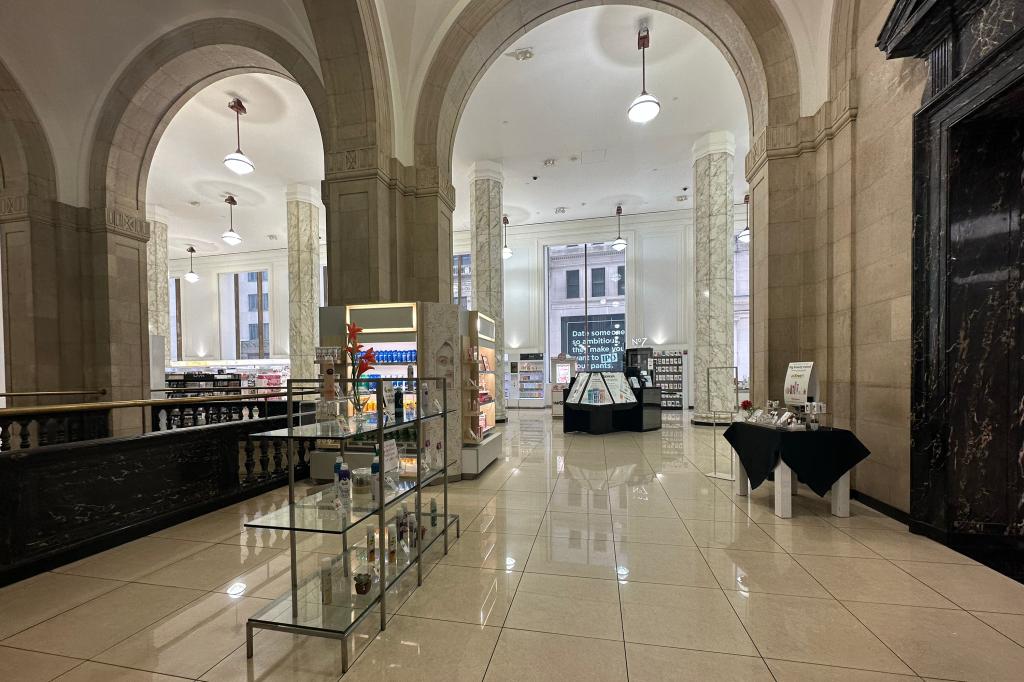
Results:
<point x="36" y="394"/>
<point x="120" y="404"/>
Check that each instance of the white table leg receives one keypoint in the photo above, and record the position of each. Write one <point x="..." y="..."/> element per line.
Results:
<point x="741" y="486"/>
<point x="783" y="491"/>
<point x="841" y="496"/>
<point x="793" y="481"/>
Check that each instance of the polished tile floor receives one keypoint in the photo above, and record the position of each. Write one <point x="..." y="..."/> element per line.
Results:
<point x="581" y="558"/>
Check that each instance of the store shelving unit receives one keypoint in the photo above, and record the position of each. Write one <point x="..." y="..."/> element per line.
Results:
<point x="480" y="440"/>
<point x="327" y="603"/>
<point x="531" y="380"/>
<point x="670" y="375"/>
<point x="198" y="384"/>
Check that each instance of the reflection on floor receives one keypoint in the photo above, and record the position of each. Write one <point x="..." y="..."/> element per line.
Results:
<point x="582" y="558"/>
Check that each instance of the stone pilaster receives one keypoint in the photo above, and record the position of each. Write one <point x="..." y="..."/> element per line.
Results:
<point x="303" y="279"/>
<point x="156" y="272"/>
<point x="713" y="282"/>
<point x="485" y="212"/>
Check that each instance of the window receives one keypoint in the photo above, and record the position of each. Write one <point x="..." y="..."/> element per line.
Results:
<point x="572" y="283"/>
<point x="244" y="322"/>
<point x="174" y="288"/>
<point x="597" y="282"/>
<point x="622" y="280"/>
<point x="462" y="280"/>
<point x="253" y="297"/>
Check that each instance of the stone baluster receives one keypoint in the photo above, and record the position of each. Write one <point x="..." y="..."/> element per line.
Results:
<point x="264" y="458"/>
<point x="26" y="442"/>
<point x="5" y="436"/>
<point x="250" y="461"/>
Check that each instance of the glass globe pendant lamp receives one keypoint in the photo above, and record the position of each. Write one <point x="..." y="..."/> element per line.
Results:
<point x="230" y="237"/>
<point x="744" y="236"/>
<point x="646" y="106"/>
<point x="506" y="250"/>
<point x="191" y="277"/>
<point x="236" y="161"/>
<point x="619" y="244"/>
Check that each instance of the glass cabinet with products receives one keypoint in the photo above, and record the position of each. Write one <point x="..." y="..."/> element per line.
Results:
<point x="480" y="439"/>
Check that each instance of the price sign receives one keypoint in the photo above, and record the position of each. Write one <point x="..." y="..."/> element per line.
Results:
<point x="390" y="455"/>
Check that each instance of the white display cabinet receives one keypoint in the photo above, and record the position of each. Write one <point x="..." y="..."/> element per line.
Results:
<point x="481" y="441"/>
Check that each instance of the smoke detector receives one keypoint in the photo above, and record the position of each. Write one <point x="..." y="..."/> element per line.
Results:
<point x="561" y="209"/>
<point x="549" y="162"/>
<point x="521" y="55"/>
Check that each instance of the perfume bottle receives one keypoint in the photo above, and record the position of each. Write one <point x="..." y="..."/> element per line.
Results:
<point x="371" y="544"/>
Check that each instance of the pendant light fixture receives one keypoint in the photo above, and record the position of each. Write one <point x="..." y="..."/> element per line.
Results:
<point x="231" y="238"/>
<point x="646" y="106"/>
<point x="506" y="250"/>
<point x="236" y="161"/>
<point x="619" y="244"/>
<point x="744" y="236"/>
<point x="191" y="277"/>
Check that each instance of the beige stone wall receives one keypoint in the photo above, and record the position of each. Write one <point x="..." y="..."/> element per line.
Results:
<point x="888" y="94"/>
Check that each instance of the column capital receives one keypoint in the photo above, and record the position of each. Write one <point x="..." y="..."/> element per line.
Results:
<point x="486" y="170"/>
<point x="299" y="192"/>
<point x="715" y="142"/>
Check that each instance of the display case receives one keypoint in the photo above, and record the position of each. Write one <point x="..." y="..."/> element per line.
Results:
<point x="530" y="380"/>
<point x="671" y="375"/>
<point x="381" y="538"/>
<point x="563" y="369"/>
<point x="592" y="399"/>
<point x="481" y="441"/>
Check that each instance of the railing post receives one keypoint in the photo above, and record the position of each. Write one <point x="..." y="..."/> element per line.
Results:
<point x="250" y="461"/>
<point x="25" y="441"/>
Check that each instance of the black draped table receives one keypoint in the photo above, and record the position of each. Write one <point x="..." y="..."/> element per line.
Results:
<point x="820" y="459"/>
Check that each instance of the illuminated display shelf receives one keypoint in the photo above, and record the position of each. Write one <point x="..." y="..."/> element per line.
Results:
<point x="481" y="441"/>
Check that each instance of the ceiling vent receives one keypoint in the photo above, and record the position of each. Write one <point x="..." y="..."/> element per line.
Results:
<point x="522" y="54"/>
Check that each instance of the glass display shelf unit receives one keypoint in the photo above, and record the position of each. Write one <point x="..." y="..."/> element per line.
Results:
<point x="349" y="587"/>
<point x="592" y="390"/>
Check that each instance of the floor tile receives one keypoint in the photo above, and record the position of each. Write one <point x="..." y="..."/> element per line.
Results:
<point x="523" y="482"/>
<point x="211" y="567"/>
<point x="508" y="521"/>
<point x="657" y="663"/>
<point x="567" y="485"/>
<point x="32" y="666"/>
<point x="811" y="631"/>
<point x="639" y="501"/>
<point x="772" y="572"/>
<point x="899" y="546"/>
<point x="791" y="671"/>
<point x="190" y="641"/>
<point x="91" y="671"/>
<point x="741" y="535"/>
<point x="431" y="650"/>
<point x="569" y="525"/>
<point x="714" y="508"/>
<point x="572" y="556"/>
<point x="593" y="502"/>
<point x="503" y="551"/>
<point x="685" y="617"/>
<point x="212" y="527"/>
<point x="505" y="499"/>
<point x="659" y="531"/>
<point x="544" y="657"/>
<point x="943" y="643"/>
<point x="823" y="540"/>
<point x="972" y="587"/>
<point x="271" y="579"/>
<point x="96" y="625"/>
<point x="585" y="607"/>
<point x="467" y="595"/>
<point x="281" y="656"/>
<point x="666" y="564"/>
<point x="134" y="559"/>
<point x="871" y="580"/>
<point x="1010" y="624"/>
<point x="32" y="601"/>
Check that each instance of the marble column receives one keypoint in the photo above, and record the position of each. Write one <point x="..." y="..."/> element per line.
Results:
<point x="303" y="279"/>
<point x="713" y="282"/>
<point x="156" y="274"/>
<point x="485" y="213"/>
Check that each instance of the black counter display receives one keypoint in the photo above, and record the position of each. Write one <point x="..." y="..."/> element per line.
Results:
<point x="602" y="402"/>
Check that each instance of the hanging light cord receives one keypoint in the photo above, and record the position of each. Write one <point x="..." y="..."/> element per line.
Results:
<point x="238" y="133"/>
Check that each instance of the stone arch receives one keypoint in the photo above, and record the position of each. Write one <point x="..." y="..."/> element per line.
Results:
<point x="750" y="34"/>
<point x="26" y="162"/>
<point x="157" y="84"/>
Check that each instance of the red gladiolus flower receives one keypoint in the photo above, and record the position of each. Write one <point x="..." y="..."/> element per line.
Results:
<point x="363" y="366"/>
<point x="369" y="355"/>
<point x="353" y="331"/>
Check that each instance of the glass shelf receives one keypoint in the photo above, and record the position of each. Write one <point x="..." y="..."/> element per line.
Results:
<point x="303" y="608"/>
<point x="315" y="513"/>
<point x="345" y="428"/>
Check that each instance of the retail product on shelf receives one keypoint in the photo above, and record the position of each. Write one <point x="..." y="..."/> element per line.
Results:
<point x="384" y="531"/>
<point x="671" y="376"/>
<point x="195" y="384"/>
<point x="530" y="380"/>
<point x="478" y="377"/>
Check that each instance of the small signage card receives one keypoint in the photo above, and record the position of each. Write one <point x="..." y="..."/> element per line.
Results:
<point x="801" y="383"/>
<point x="335" y="353"/>
<point x="390" y="455"/>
